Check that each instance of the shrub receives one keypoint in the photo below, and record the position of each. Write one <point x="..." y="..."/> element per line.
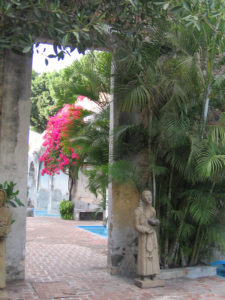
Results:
<point x="11" y="194"/>
<point x="66" y="209"/>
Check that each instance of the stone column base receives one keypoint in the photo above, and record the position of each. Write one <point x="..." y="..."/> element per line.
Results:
<point x="149" y="283"/>
<point x="3" y="294"/>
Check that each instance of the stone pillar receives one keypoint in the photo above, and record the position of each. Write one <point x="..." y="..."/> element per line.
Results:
<point x="122" y="201"/>
<point x="15" y="82"/>
<point x="51" y="194"/>
<point x="5" y="224"/>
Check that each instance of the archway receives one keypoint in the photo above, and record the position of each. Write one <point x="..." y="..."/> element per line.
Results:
<point x="65" y="24"/>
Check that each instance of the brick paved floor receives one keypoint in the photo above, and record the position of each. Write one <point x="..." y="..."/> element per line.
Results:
<point x="67" y="263"/>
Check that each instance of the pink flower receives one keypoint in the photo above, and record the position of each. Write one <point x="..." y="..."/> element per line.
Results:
<point x="54" y="157"/>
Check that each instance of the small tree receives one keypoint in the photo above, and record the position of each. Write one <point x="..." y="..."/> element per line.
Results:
<point x="55" y="158"/>
<point x="92" y="140"/>
<point x="42" y="103"/>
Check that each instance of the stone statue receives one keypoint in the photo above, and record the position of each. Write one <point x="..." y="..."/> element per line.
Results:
<point x="5" y="223"/>
<point x="30" y="209"/>
<point x="148" y="258"/>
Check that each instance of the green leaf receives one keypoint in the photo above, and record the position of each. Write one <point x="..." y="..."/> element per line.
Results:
<point x="65" y="40"/>
<point x="76" y="34"/>
<point x="166" y="5"/>
<point x="186" y="5"/>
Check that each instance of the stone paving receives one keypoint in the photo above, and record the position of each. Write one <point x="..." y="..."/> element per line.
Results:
<point x="64" y="262"/>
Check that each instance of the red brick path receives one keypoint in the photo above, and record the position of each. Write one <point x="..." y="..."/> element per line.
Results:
<point x="67" y="263"/>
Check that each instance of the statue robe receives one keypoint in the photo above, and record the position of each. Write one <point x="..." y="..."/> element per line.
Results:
<point x="148" y="258"/>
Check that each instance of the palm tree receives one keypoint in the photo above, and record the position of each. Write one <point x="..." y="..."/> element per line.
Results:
<point x="186" y="158"/>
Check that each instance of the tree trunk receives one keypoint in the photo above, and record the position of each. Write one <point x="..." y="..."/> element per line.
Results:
<point x="176" y="244"/>
<point x="166" y="249"/>
<point x="72" y="182"/>
<point x="193" y="256"/>
<point x="183" y="260"/>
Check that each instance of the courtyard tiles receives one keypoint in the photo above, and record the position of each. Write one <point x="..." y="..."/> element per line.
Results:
<point x="64" y="262"/>
<point x="49" y="290"/>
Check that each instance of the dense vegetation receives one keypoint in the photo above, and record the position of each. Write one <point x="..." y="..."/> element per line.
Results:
<point x="177" y="90"/>
<point x="51" y="91"/>
<point x="169" y="62"/>
<point x="81" y="24"/>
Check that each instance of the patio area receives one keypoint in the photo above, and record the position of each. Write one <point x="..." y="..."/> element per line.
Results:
<point x="66" y="262"/>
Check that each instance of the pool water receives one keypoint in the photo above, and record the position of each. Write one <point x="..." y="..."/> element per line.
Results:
<point x="100" y="230"/>
<point x="220" y="267"/>
<point x="44" y="213"/>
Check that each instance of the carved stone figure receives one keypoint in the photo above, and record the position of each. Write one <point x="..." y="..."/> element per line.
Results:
<point x="148" y="258"/>
<point x="5" y="223"/>
<point x="30" y="209"/>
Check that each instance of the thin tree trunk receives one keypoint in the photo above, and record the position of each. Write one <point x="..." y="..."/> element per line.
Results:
<point x="208" y="71"/>
<point x="206" y="99"/>
<point x="154" y="188"/>
<point x="199" y="249"/>
<point x="206" y="104"/>
<point x="197" y="244"/>
<point x="193" y="256"/>
<point x="166" y="249"/>
<point x="212" y="187"/>
<point x="176" y="244"/>
<point x="183" y="260"/>
<point x="71" y="184"/>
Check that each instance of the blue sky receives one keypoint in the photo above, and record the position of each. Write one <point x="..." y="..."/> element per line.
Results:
<point x="53" y="64"/>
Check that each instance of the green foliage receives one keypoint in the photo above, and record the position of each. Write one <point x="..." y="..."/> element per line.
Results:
<point x="50" y="91"/>
<point x="172" y="77"/>
<point x="98" y="183"/>
<point x="167" y="85"/>
<point x="82" y="24"/>
<point x="66" y="210"/>
<point x="91" y="138"/>
<point x="42" y="103"/>
<point x="11" y="194"/>
<point x="124" y="172"/>
<point x="89" y="77"/>
<point x="98" y="180"/>
<point x="176" y="96"/>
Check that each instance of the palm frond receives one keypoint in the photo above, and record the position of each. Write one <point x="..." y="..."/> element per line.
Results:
<point x="209" y="164"/>
<point x="202" y="208"/>
<point x="125" y="172"/>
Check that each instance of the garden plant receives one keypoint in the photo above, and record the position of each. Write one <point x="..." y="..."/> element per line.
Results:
<point x="173" y="80"/>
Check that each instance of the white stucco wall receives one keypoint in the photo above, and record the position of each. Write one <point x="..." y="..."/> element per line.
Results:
<point x="46" y="192"/>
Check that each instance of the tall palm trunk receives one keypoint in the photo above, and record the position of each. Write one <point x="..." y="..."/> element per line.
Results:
<point x="166" y="249"/>
<point x="206" y="99"/>
<point x="193" y="256"/>
<point x="208" y="71"/>
<point x="198" y="238"/>
<point x="176" y="243"/>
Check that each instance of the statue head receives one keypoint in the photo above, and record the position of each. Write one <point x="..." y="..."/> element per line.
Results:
<point x="146" y="196"/>
<point x="2" y="198"/>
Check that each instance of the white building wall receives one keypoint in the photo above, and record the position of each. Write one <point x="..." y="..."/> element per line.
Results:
<point x="46" y="192"/>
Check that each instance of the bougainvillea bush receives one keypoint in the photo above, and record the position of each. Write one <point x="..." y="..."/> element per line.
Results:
<point x="55" y="158"/>
<point x="59" y="153"/>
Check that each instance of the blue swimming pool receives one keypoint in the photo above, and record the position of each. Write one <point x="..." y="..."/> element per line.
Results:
<point x="44" y="213"/>
<point x="101" y="230"/>
<point x="220" y="267"/>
